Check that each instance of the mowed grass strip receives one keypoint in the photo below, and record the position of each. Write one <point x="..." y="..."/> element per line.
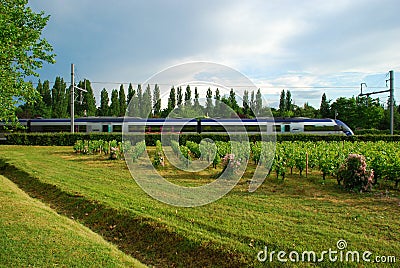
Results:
<point x="33" y="235"/>
<point x="297" y="214"/>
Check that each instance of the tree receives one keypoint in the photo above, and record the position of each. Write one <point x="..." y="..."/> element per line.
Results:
<point x="232" y="101"/>
<point x="131" y="93"/>
<point x="217" y="103"/>
<point x="209" y="104"/>
<point x="252" y="102"/>
<point x="22" y="52"/>
<point x="37" y="109"/>
<point x="139" y="93"/>
<point x="59" y="98"/>
<point x="347" y="110"/>
<point x="89" y="101"/>
<point x="114" y="107"/>
<point x="171" y="100"/>
<point x="288" y="101"/>
<point x="324" y="108"/>
<point x="156" y="101"/>
<point x="179" y="97"/>
<point x="305" y="111"/>
<point x="122" y="101"/>
<point x="258" y="104"/>
<point x="104" y="100"/>
<point x="282" y="103"/>
<point x="246" y="106"/>
<point x="133" y="106"/>
<point x="133" y="102"/>
<point x="47" y="94"/>
<point x="196" y="103"/>
<point x="188" y="96"/>
<point x="146" y="106"/>
<point x="40" y="107"/>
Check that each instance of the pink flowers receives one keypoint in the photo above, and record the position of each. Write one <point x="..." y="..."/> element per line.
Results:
<point x="355" y="175"/>
<point x="231" y="165"/>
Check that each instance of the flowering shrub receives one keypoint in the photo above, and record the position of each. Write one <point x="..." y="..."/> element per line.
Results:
<point x="231" y="164"/>
<point x="354" y="173"/>
<point x="159" y="155"/>
<point x="114" y="153"/>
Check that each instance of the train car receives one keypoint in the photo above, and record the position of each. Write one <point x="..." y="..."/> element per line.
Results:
<point x="180" y="125"/>
<point x="277" y="125"/>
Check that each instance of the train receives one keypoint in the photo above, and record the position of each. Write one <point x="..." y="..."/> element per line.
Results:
<point x="182" y="125"/>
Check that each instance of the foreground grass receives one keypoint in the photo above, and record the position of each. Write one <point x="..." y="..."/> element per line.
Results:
<point x="298" y="214"/>
<point x="33" y="235"/>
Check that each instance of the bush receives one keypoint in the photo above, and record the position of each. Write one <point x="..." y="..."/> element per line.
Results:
<point x="355" y="175"/>
<point x="158" y="155"/>
<point x="69" y="139"/>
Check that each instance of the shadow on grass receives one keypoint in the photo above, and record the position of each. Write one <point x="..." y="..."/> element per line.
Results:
<point x="145" y="239"/>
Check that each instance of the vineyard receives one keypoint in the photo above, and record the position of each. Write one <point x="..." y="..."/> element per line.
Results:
<point x="280" y="158"/>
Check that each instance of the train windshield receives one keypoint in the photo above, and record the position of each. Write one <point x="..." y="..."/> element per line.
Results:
<point x="346" y="128"/>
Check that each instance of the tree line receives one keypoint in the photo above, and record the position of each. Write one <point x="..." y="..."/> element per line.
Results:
<point x="357" y="112"/>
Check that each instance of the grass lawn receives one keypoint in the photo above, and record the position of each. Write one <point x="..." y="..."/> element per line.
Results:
<point x="298" y="214"/>
<point x="33" y="235"/>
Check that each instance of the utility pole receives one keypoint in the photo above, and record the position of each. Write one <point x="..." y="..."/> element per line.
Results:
<point x="391" y="88"/>
<point x="73" y="87"/>
<point x="72" y="99"/>
<point x="391" y="97"/>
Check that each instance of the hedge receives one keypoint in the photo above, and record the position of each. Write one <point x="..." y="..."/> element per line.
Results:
<point x="69" y="139"/>
<point x="374" y="131"/>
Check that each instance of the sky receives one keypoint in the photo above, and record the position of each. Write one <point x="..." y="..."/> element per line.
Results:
<point x="309" y="47"/>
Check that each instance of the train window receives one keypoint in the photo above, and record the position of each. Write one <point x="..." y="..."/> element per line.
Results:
<point x="277" y="128"/>
<point x="63" y="128"/>
<point x="189" y="128"/>
<point x="338" y="128"/>
<point x="133" y="128"/>
<point x="254" y="128"/>
<point x="318" y="128"/>
<point x="105" y="128"/>
<point x="81" y="128"/>
<point x="287" y="128"/>
<point x="117" y="128"/>
<point x="216" y="128"/>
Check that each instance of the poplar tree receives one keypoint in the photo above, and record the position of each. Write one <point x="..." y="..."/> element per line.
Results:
<point x="188" y="96"/>
<point x="196" y="103"/>
<point x="114" y="106"/>
<point x="289" y="101"/>
<point x="282" y="103"/>
<point x="258" y="104"/>
<point x="156" y="101"/>
<point x="131" y="92"/>
<point x="179" y="97"/>
<point x="122" y="101"/>
<point x="246" y="106"/>
<point x="104" y="103"/>
<point x="209" y="103"/>
<point x="171" y="100"/>
<point x="59" y="98"/>
<point x="217" y="103"/>
<point x="324" y="108"/>
<point x="147" y="106"/>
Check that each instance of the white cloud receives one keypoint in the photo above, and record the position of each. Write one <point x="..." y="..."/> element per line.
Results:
<point x="278" y="44"/>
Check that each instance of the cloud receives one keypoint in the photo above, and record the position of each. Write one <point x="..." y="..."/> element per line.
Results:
<point x="278" y="44"/>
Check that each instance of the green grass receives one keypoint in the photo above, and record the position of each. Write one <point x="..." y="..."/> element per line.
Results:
<point x="297" y="214"/>
<point x="33" y="235"/>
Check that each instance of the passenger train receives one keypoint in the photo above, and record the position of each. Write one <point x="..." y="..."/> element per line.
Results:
<point x="180" y="125"/>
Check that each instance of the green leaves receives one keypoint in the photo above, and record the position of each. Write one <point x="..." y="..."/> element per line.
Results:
<point x="22" y="52"/>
